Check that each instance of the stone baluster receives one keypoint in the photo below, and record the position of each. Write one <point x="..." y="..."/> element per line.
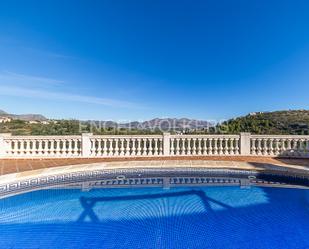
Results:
<point x="177" y="149"/>
<point x="161" y="142"/>
<point x="232" y="144"/>
<point x="142" y="146"/>
<point x="52" y="147"/>
<point x="172" y="151"/>
<point x="7" y="147"/>
<point x="21" y="145"/>
<point x="107" y="147"/>
<point x="307" y="148"/>
<point x="207" y="146"/>
<point x="103" y="148"/>
<point x="120" y="146"/>
<point x="112" y="147"/>
<point x="283" y="146"/>
<point x="220" y="148"/>
<point x="27" y="147"/>
<point x="48" y="147"/>
<point x="294" y="147"/>
<point x="289" y="146"/>
<point x="138" y="148"/>
<point x="268" y="146"/>
<point x="116" y="148"/>
<point x="66" y="149"/>
<point x="210" y="146"/>
<point x="121" y="153"/>
<point x="263" y="146"/>
<point x="193" y="148"/>
<point x="16" y="145"/>
<point x="225" y="148"/>
<point x="302" y="147"/>
<point x="155" y="147"/>
<point x="203" y="146"/>
<point x="148" y="147"/>
<point x="185" y="145"/>
<point x="253" y="146"/>
<point x="298" y="147"/>
<point x="277" y="148"/>
<point x="62" y="147"/>
<point x="100" y="149"/>
<point x="182" y="143"/>
<point x="44" y="146"/>
<point x="188" y="149"/>
<point x="32" y="147"/>
<point x="95" y="146"/>
<point x="35" y="147"/>
<point x="199" y="146"/>
<point x="70" y="145"/>
<point x="236" y="146"/>
<point x="75" y="147"/>
<point x="215" y="147"/>
<point x="258" y="146"/>
<point x="127" y="147"/>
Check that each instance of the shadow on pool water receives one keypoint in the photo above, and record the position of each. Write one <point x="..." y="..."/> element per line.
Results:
<point x="212" y="217"/>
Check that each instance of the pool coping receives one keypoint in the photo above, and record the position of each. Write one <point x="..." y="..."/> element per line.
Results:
<point x="152" y="174"/>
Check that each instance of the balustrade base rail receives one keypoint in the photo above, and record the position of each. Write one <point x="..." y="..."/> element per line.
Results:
<point x="88" y="145"/>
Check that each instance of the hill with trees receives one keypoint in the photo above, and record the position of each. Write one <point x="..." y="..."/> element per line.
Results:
<point x="293" y="122"/>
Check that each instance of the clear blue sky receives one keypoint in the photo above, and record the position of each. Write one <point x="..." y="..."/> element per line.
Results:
<point x="135" y="60"/>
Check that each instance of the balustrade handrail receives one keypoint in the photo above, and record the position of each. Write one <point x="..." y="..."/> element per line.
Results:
<point x="89" y="145"/>
<point x="125" y="136"/>
<point x="204" y="136"/>
<point x="42" y="137"/>
<point x="281" y="136"/>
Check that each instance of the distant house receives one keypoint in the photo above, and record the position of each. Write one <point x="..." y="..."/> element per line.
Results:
<point x="255" y="113"/>
<point x="33" y="122"/>
<point x="5" y="119"/>
<point x="38" y="122"/>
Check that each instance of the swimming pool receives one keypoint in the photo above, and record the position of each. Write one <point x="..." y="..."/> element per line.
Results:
<point x="184" y="217"/>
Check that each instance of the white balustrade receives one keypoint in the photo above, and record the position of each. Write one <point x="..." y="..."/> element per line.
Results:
<point x="89" y="145"/>
<point x="128" y="146"/>
<point x="280" y="145"/>
<point x="41" y="146"/>
<point x="203" y="145"/>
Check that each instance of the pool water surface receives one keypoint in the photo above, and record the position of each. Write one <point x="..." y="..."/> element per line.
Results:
<point x="199" y="217"/>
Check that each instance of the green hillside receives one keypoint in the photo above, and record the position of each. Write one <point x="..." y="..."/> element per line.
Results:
<point x="294" y="122"/>
<point x="279" y="122"/>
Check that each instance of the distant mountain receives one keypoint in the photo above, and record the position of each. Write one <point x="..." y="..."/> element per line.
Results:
<point x="25" y="117"/>
<point x="279" y="122"/>
<point x="169" y="123"/>
<point x="3" y="112"/>
<point x="158" y="123"/>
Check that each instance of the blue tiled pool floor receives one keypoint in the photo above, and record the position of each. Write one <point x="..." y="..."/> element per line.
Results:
<point x="210" y="217"/>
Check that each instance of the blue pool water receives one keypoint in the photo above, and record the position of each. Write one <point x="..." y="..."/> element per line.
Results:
<point x="208" y="217"/>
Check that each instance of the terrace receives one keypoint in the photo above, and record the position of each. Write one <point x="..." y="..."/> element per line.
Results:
<point x="243" y="151"/>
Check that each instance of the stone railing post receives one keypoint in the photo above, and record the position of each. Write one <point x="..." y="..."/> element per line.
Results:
<point x="166" y="143"/>
<point x="2" y="143"/>
<point x="86" y="144"/>
<point x="245" y="143"/>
